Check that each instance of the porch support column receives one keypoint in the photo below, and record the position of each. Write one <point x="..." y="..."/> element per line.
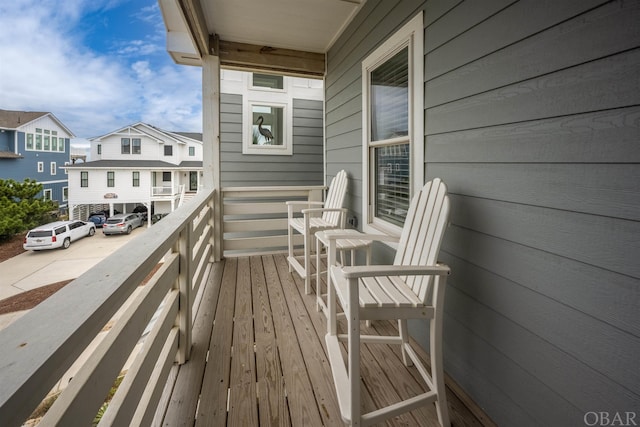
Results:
<point x="211" y="143"/>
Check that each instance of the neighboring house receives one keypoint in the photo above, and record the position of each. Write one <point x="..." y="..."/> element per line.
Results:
<point x="36" y="145"/>
<point x="529" y="112"/>
<point x="136" y="165"/>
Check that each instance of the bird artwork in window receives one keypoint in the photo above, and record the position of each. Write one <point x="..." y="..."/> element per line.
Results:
<point x="264" y="132"/>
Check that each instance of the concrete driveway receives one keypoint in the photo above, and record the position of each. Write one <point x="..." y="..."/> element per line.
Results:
<point x="31" y="270"/>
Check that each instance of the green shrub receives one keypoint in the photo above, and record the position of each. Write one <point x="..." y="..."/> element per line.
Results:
<point x="20" y="209"/>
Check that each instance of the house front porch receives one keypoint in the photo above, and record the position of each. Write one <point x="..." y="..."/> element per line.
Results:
<point x="215" y="341"/>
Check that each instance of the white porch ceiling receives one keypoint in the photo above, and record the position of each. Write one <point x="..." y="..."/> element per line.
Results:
<point x="302" y="25"/>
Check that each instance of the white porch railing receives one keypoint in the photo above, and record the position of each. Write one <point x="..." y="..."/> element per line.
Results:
<point x="166" y="192"/>
<point x="37" y="349"/>
<point x="255" y="218"/>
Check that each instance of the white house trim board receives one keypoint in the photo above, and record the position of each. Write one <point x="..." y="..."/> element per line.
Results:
<point x="412" y="35"/>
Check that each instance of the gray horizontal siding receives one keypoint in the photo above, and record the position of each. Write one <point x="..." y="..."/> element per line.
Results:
<point x="304" y="167"/>
<point x="532" y="118"/>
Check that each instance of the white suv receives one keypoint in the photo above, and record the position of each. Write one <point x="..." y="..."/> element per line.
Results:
<point x="57" y="234"/>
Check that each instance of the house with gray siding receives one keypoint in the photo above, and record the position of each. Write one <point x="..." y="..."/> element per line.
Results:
<point x="35" y="145"/>
<point x="529" y="112"/>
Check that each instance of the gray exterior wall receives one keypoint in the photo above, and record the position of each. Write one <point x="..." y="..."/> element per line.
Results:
<point x="532" y="118"/>
<point x="304" y="167"/>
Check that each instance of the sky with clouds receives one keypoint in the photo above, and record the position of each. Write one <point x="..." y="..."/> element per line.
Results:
<point x="97" y="65"/>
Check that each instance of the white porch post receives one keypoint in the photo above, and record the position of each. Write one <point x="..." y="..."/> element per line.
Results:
<point x="211" y="143"/>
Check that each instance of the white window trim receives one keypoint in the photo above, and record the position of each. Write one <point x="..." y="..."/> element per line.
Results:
<point x="286" y="149"/>
<point x="53" y="168"/>
<point x="40" y="167"/>
<point x="411" y="34"/>
<point x="65" y="194"/>
<point x="45" y="192"/>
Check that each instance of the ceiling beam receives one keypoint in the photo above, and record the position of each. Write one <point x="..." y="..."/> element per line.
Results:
<point x="192" y="12"/>
<point x="266" y="58"/>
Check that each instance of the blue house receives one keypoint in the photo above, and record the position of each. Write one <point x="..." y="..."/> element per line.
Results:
<point x="34" y="145"/>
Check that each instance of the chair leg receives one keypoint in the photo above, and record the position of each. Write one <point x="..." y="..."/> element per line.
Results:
<point x="404" y="334"/>
<point x="290" y="241"/>
<point x="307" y="264"/>
<point x="435" y="343"/>
<point x="353" y="345"/>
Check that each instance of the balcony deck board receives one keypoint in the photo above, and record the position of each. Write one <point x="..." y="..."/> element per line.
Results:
<point x="266" y="353"/>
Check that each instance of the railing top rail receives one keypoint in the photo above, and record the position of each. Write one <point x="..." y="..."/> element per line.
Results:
<point x="275" y="188"/>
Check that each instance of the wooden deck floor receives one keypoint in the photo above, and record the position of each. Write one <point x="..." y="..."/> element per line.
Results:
<point x="259" y="358"/>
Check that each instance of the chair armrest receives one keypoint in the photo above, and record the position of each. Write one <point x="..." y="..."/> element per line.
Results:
<point x="363" y="236"/>
<point x="395" y="270"/>
<point x="303" y="202"/>
<point x="320" y="210"/>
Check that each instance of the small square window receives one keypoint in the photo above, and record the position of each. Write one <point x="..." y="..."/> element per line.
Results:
<point x="267" y="130"/>
<point x="168" y="150"/>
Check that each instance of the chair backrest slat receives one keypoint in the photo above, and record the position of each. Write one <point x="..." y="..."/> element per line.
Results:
<point x="423" y="232"/>
<point x="335" y="197"/>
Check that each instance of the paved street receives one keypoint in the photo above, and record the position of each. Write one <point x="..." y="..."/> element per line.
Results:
<point x="31" y="270"/>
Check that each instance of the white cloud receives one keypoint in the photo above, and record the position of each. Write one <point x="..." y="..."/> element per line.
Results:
<point x="45" y="66"/>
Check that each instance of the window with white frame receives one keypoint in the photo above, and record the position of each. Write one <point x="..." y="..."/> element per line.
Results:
<point x="65" y="194"/>
<point x="84" y="179"/>
<point x="136" y="146"/>
<point x="393" y="149"/>
<point x="40" y="167"/>
<point x="47" y="194"/>
<point x="135" y="176"/>
<point x="125" y="145"/>
<point x="53" y="168"/>
<point x="192" y="151"/>
<point x="111" y="179"/>
<point x="267" y="128"/>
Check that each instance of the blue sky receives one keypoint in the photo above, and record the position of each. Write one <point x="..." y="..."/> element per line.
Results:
<point x="97" y="65"/>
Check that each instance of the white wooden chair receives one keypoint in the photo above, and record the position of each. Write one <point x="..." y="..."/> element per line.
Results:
<point x="330" y="215"/>
<point x="412" y="288"/>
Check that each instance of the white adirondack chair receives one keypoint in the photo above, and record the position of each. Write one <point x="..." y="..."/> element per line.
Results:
<point x="332" y="216"/>
<point x="412" y="288"/>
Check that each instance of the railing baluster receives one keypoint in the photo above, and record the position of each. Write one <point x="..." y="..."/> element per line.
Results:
<point x="185" y="248"/>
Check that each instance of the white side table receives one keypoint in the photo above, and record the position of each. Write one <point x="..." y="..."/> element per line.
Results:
<point x="333" y="246"/>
